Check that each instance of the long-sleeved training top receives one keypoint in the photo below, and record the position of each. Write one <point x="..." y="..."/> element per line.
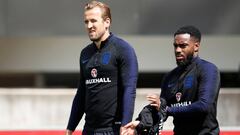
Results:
<point x="191" y="94"/>
<point x="107" y="86"/>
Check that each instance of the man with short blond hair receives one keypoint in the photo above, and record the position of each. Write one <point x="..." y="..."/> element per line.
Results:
<point x="108" y="78"/>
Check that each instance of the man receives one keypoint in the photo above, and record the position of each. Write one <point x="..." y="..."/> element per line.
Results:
<point x="190" y="91"/>
<point x="107" y="86"/>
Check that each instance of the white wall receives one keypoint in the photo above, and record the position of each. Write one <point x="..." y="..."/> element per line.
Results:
<point x="28" y="109"/>
<point x="155" y="53"/>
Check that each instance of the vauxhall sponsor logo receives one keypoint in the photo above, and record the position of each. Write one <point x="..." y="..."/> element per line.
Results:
<point x="97" y="80"/>
<point x="181" y="104"/>
<point x="178" y="99"/>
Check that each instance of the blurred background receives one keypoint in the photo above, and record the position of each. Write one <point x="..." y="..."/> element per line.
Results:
<point x="41" y="40"/>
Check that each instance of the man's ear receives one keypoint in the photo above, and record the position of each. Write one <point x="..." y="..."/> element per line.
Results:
<point x="196" y="46"/>
<point x="107" y="22"/>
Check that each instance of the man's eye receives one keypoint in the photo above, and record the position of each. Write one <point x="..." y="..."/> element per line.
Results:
<point x="93" y="21"/>
<point x="180" y="45"/>
<point x="184" y="46"/>
<point x="175" y="45"/>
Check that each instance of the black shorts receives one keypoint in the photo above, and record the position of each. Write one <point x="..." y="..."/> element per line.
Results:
<point x="102" y="131"/>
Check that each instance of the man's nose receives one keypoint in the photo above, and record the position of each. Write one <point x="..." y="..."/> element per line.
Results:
<point x="89" y="25"/>
<point x="178" y="49"/>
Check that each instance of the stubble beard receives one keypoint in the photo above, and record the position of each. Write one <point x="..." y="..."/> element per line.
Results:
<point x="186" y="61"/>
<point x="96" y="37"/>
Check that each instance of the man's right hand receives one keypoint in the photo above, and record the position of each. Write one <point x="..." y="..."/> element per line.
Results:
<point x="130" y="128"/>
<point x="68" y="132"/>
<point x="154" y="100"/>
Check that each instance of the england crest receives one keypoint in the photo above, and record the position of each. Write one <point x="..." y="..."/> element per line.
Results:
<point x="178" y="96"/>
<point x="94" y="72"/>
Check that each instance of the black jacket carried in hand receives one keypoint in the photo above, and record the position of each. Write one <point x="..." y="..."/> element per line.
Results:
<point x="151" y="120"/>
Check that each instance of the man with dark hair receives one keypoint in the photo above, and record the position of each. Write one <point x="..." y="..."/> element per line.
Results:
<point x="108" y="78"/>
<point x="189" y="93"/>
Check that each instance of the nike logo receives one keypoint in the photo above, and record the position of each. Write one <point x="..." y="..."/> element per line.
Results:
<point x="84" y="61"/>
<point x="170" y="85"/>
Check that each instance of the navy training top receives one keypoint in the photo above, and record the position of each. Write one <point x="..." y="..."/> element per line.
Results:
<point x="191" y="93"/>
<point x="107" y="86"/>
